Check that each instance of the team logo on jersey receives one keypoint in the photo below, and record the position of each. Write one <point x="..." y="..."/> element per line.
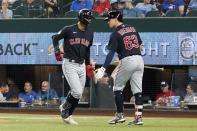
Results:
<point x="82" y="41"/>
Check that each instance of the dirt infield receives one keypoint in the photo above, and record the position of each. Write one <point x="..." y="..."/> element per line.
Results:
<point x="105" y="112"/>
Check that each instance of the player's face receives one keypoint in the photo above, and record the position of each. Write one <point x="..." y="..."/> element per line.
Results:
<point x="112" y="23"/>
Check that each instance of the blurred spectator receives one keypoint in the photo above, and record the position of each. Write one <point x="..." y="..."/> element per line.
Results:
<point x="29" y="1"/>
<point x="51" y="8"/>
<point x="130" y="10"/>
<point x="7" y="93"/>
<point x="11" y="93"/>
<point x="114" y="4"/>
<point x="105" y="81"/>
<point x="12" y="1"/>
<point x="3" y="88"/>
<point x="189" y="97"/>
<point x="121" y="5"/>
<point x="102" y="7"/>
<point x="192" y="5"/>
<point x="80" y="4"/>
<point x="46" y="92"/>
<point x="5" y="13"/>
<point x="163" y="98"/>
<point x="173" y="5"/>
<point x="28" y="95"/>
<point x="145" y="7"/>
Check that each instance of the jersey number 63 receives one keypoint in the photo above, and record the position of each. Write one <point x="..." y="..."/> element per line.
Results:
<point x="130" y="42"/>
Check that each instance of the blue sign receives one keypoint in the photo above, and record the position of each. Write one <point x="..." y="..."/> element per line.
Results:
<point x="159" y="48"/>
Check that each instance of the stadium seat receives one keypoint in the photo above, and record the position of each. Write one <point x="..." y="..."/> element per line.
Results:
<point x="20" y="12"/>
<point x="153" y="14"/>
<point x="36" y="13"/>
<point x="135" y="2"/>
<point x="172" y="13"/>
<point x="17" y="4"/>
<point x="71" y="14"/>
<point x="36" y="9"/>
<point x="192" y="13"/>
<point x="95" y="14"/>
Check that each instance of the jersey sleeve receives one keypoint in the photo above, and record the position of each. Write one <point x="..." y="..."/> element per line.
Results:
<point x="87" y="57"/>
<point x="61" y="34"/>
<point x="113" y="42"/>
<point x="92" y="37"/>
<point x="139" y="39"/>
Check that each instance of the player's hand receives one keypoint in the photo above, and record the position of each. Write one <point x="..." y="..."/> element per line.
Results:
<point x="100" y="73"/>
<point x="90" y="71"/>
<point x="58" y="55"/>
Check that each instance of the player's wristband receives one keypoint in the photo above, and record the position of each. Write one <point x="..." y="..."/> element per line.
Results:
<point x="57" y="51"/>
<point x="103" y="69"/>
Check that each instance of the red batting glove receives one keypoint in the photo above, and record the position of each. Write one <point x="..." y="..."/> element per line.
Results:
<point x="58" y="57"/>
<point x="89" y="71"/>
<point x="58" y="54"/>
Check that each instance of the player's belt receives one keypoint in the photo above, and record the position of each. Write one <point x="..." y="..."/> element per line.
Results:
<point x="76" y="61"/>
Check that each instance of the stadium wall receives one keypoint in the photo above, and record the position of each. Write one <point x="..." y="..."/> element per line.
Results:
<point x="142" y="24"/>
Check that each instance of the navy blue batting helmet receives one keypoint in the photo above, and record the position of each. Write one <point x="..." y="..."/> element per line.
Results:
<point x="114" y="14"/>
<point x="85" y="16"/>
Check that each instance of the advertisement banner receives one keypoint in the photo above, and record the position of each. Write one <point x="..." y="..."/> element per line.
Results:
<point x="159" y="48"/>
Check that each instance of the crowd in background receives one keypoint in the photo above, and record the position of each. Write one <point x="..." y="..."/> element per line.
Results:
<point x="52" y="92"/>
<point x="129" y="8"/>
<point x="45" y="94"/>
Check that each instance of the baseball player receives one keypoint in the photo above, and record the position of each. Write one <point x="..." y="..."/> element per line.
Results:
<point x="77" y="41"/>
<point x="126" y="42"/>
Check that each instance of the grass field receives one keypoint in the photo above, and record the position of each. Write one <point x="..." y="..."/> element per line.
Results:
<point x="26" y="122"/>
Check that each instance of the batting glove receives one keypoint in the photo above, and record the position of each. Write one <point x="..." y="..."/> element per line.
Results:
<point x="100" y="73"/>
<point x="90" y="71"/>
<point x="58" y="55"/>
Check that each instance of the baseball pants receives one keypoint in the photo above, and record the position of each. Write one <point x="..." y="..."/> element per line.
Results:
<point x="76" y="76"/>
<point x="130" y="68"/>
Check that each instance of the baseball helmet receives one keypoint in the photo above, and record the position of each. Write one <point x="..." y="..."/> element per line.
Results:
<point x="114" y="14"/>
<point x="85" y="16"/>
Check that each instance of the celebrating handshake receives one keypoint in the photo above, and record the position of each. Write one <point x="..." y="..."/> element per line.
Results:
<point x="99" y="73"/>
<point x="92" y="73"/>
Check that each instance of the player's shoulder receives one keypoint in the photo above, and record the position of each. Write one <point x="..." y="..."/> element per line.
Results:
<point x="90" y="30"/>
<point x="126" y="26"/>
<point x="67" y="29"/>
<point x="70" y="26"/>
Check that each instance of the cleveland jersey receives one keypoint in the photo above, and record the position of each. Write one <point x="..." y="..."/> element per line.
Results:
<point x="76" y="42"/>
<point x="126" y="41"/>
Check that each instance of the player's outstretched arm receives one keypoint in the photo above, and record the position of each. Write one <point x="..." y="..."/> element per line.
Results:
<point x="101" y="71"/>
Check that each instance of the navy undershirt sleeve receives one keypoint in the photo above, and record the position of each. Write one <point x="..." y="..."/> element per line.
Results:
<point x="109" y="58"/>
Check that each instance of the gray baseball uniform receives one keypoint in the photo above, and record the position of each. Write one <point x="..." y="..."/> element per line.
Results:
<point x="77" y="41"/>
<point x="76" y="76"/>
<point x="126" y="42"/>
<point x="130" y="68"/>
